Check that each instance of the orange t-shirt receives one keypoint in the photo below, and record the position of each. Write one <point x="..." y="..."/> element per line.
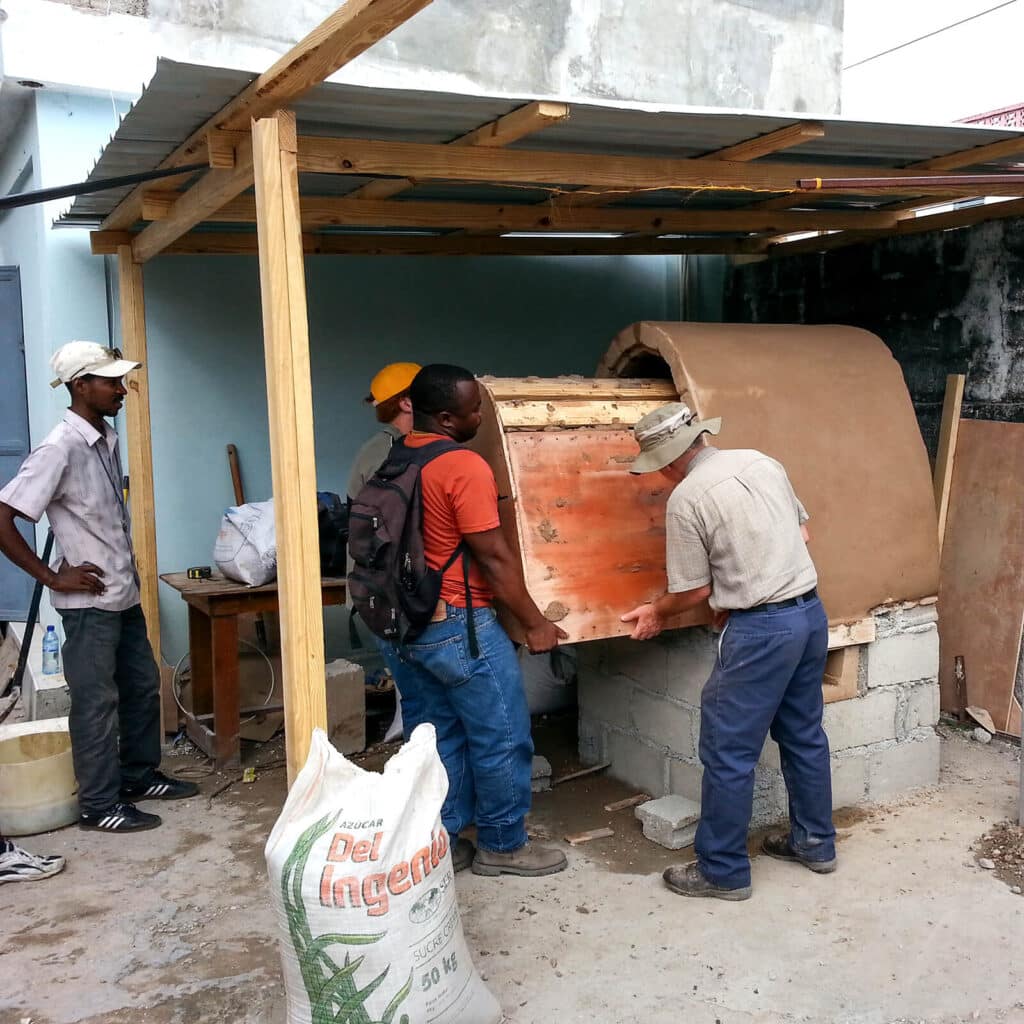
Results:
<point x="459" y="497"/>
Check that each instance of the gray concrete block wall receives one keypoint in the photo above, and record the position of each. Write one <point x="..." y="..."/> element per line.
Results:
<point x="640" y="709"/>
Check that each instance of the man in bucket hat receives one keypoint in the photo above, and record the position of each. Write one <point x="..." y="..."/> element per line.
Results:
<point x="74" y="477"/>
<point x="736" y="536"/>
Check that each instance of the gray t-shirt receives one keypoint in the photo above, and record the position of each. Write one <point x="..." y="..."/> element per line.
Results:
<point x="734" y="522"/>
<point x="371" y="457"/>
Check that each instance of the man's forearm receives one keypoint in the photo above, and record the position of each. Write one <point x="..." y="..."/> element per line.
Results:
<point x="669" y="605"/>
<point x="16" y="548"/>
<point x="505" y="577"/>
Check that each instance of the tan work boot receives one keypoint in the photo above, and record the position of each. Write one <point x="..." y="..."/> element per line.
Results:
<point x="530" y="861"/>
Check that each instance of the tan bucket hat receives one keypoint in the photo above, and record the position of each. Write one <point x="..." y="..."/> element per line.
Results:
<point x="663" y="435"/>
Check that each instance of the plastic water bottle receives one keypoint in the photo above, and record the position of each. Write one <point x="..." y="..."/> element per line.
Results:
<point x="51" y="652"/>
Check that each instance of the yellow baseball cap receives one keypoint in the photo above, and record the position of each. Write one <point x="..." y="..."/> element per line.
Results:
<point x="392" y="380"/>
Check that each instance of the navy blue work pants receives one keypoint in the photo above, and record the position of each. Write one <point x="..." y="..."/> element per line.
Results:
<point x="767" y="678"/>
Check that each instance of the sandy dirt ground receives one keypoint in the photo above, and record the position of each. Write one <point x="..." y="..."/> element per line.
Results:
<point x="174" y="926"/>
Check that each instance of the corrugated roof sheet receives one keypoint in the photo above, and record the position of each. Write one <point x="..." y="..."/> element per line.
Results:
<point x="182" y="97"/>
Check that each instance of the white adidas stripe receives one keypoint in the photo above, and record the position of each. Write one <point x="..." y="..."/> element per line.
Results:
<point x="116" y="823"/>
<point x="106" y="821"/>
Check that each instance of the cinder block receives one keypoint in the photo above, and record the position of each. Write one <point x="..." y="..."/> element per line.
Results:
<point x="849" y="780"/>
<point x="862" y="720"/>
<point x="691" y="659"/>
<point x="637" y="763"/>
<point x="842" y="669"/>
<point x="920" y="615"/>
<point x="921" y="709"/>
<point x="908" y="765"/>
<point x="903" y="658"/>
<point x="593" y="740"/>
<point x="671" y="821"/>
<point x="603" y="697"/>
<point x="663" y="723"/>
<point x="644" y="662"/>
<point x="346" y="706"/>
<point x="45" y="696"/>
<point x="684" y="778"/>
<point x="540" y="775"/>
<point x="770" y="757"/>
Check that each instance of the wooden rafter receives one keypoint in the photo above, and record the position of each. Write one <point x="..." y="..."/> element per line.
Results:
<point x="321" y="212"/>
<point x="742" y="152"/>
<point x="503" y="166"/>
<point x="343" y="36"/>
<point x="533" y="117"/>
<point x="211" y="243"/>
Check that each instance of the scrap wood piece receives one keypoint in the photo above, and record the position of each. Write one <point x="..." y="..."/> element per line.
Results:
<point x="951" y="408"/>
<point x="586" y="837"/>
<point x="629" y="801"/>
<point x="583" y="771"/>
<point x="982" y="717"/>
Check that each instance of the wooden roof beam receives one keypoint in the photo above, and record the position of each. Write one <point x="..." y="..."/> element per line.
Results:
<point x="343" y="36"/>
<point x="742" y="152"/>
<point x="323" y="212"/>
<point x="244" y="243"/>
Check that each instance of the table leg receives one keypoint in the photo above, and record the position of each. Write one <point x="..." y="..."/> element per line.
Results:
<point x="200" y="646"/>
<point x="226" y="724"/>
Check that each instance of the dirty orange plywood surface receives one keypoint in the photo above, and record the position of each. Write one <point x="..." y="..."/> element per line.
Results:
<point x="981" y="596"/>
<point x="831" y="404"/>
<point x="592" y="536"/>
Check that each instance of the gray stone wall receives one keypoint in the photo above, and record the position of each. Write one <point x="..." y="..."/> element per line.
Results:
<point x="760" y="54"/>
<point x="639" y="708"/>
<point x="949" y="302"/>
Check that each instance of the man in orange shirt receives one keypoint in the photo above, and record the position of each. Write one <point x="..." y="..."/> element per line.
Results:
<point x="475" y="701"/>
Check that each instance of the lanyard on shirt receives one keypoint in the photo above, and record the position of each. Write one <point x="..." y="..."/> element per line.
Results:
<point x="107" y="469"/>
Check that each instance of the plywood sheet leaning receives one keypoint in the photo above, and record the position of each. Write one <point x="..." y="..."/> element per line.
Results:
<point x="831" y="404"/>
<point x="591" y="537"/>
<point x="981" y="596"/>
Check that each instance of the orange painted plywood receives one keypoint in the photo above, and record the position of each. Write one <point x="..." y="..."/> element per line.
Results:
<point x="981" y="595"/>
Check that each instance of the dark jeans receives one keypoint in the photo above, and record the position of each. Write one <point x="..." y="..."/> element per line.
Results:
<point x="478" y="707"/>
<point x="767" y="678"/>
<point x="115" y="702"/>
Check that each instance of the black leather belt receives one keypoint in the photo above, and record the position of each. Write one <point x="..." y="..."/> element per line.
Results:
<point x="790" y="602"/>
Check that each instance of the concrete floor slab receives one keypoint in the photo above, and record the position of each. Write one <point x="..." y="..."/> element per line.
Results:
<point x="174" y="926"/>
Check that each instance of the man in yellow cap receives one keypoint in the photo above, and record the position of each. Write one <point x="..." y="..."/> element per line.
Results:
<point x="389" y="395"/>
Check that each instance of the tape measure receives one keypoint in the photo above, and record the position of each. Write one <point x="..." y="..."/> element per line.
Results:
<point x="199" y="572"/>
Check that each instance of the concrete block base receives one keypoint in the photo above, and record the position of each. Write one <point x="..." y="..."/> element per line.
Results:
<point x="540" y="776"/>
<point x="670" y="821"/>
<point x="346" y="706"/>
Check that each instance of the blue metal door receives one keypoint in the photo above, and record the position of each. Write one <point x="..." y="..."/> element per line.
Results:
<point x="15" y="585"/>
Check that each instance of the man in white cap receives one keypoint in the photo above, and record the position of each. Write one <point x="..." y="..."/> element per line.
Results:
<point x="736" y="536"/>
<point x="74" y="477"/>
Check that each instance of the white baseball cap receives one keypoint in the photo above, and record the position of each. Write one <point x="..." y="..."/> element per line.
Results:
<point x="77" y="358"/>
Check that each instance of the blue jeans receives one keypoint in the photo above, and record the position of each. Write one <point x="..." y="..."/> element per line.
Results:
<point x="767" y="678"/>
<point x="478" y="707"/>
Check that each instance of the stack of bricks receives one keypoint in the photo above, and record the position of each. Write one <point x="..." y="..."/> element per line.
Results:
<point x="639" y="709"/>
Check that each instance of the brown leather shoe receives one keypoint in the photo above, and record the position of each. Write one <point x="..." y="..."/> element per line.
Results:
<point x="777" y="846"/>
<point x="689" y="880"/>
<point x="462" y="854"/>
<point x="530" y="861"/>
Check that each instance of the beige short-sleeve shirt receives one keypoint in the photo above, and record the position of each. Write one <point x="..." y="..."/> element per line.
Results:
<point x="734" y="522"/>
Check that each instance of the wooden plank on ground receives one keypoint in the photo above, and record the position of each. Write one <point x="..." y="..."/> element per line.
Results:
<point x="629" y="801"/>
<point x="981" y="595"/>
<point x="585" y="837"/>
<point x="340" y="38"/>
<point x="943" y="476"/>
<point x="292" y="449"/>
<point x="140" y="450"/>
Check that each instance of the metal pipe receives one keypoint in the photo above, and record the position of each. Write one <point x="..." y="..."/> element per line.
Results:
<point x="923" y="181"/>
<point x="44" y="195"/>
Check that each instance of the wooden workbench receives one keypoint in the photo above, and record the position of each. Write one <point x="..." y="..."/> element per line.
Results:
<point x="213" y="609"/>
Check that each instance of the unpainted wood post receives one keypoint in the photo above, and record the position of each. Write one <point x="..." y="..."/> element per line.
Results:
<point x="140" y="454"/>
<point x="290" y="408"/>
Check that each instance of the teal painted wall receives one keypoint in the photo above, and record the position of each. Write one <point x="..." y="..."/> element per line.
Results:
<point x="503" y="315"/>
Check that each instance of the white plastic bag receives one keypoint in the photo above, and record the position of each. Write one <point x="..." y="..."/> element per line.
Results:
<point x="362" y="882"/>
<point x="246" y="546"/>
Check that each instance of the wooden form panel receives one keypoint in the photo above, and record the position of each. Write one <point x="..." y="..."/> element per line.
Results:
<point x="981" y="595"/>
<point x="592" y="535"/>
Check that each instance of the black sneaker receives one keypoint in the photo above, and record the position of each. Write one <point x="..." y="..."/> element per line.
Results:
<point x="777" y="846"/>
<point x="121" y="817"/>
<point x="160" y="787"/>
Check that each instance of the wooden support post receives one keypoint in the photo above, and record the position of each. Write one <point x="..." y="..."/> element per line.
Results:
<point x="140" y="458"/>
<point x="290" y="408"/>
<point x="947" y="447"/>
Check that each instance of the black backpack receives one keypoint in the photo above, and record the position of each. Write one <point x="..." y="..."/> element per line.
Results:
<point x="392" y="588"/>
<point x="332" y="523"/>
